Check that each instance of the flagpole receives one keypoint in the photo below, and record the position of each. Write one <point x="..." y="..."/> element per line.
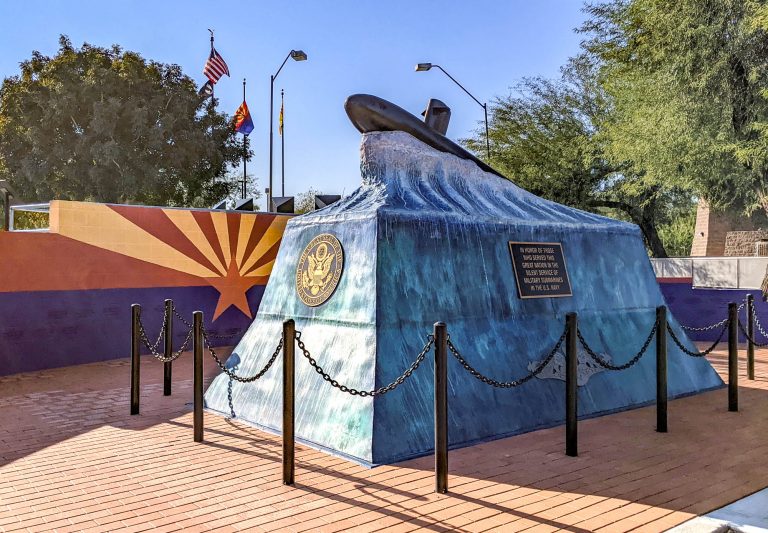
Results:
<point x="282" y="138"/>
<point x="212" y="84"/>
<point x="245" y="151"/>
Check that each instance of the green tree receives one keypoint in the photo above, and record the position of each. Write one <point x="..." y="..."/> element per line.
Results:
<point x="677" y="232"/>
<point x="687" y="81"/>
<point x="251" y="190"/>
<point x="107" y="125"/>
<point x="305" y="201"/>
<point x="546" y="138"/>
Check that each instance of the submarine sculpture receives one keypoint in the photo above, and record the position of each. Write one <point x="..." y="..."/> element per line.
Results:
<point x="370" y="113"/>
<point x="431" y="235"/>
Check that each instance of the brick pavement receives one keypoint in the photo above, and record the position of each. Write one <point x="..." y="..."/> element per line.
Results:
<point x="72" y="459"/>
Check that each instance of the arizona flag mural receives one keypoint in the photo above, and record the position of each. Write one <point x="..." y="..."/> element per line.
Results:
<point x="66" y="293"/>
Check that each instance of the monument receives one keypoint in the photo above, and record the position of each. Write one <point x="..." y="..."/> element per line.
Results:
<point x="433" y="234"/>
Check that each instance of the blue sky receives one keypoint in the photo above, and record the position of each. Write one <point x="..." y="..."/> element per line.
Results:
<point x="353" y="47"/>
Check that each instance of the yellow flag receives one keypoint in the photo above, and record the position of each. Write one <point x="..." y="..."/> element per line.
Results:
<point x="280" y="121"/>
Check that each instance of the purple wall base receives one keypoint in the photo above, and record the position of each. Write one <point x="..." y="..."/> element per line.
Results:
<point x="50" y="329"/>
<point x="703" y="307"/>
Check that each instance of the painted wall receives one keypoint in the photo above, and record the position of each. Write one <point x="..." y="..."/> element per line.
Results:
<point x="65" y="295"/>
<point x="698" y="307"/>
<point x="714" y="272"/>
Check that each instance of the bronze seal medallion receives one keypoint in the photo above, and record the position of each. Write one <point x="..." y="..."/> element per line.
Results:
<point x="319" y="269"/>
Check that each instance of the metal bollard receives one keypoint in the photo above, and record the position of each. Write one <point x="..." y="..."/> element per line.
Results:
<point x="441" y="407"/>
<point x="571" y="376"/>
<point x="167" y="368"/>
<point x="289" y="401"/>
<point x="751" y="335"/>
<point x="733" y="357"/>
<point x="197" y="380"/>
<point x="135" y="359"/>
<point x="661" y="369"/>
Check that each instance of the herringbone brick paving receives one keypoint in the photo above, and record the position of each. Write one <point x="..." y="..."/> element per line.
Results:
<point x="71" y="459"/>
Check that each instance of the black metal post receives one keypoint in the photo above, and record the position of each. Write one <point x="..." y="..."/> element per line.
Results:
<point x="197" y="349"/>
<point x="271" y="110"/>
<point x="297" y="55"/>
<point x="441" y="407"/>
<point x="245" y="154"/>
<point x="135" y="359"/>
<point x="211" y="102"/>
<point x="733" y="357"/>
<point x="487" y="136"/>
<point x="571" y="367"/>
<point x="751" y="335"/>
<point x="289" y="401"/>
<point x="282" y="140"/>
<point x="167" y="367"/>
<point x="661" y="369"/>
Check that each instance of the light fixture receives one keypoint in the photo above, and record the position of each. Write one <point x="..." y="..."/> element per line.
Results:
<point x="422" y="67"/>
<point x="296" y="55"/>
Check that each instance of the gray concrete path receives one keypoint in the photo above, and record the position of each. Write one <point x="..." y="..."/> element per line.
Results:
<point x="747" y="515"/>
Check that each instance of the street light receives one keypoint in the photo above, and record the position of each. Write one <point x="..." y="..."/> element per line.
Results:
<point x="423" y="67"/>
<point x="296" y="55"/>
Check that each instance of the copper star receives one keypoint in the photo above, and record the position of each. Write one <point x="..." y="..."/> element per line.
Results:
<point x="232" y="289"/>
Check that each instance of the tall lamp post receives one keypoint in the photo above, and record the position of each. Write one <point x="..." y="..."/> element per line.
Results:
<point x="423" y="67"/>
<point x="296" y="55"/>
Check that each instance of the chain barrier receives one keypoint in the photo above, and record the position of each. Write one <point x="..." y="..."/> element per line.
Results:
<point x="759" y="327"/>
<point x="145" y="339"/>
<point x="210" y="335"/>
<point x="750" y="339"/>
<point x="697" y="354"/>
<point x="715" y="325"/>
<point x="706" y="328"/>
<point x="161" y="356"/>
<point x="608" y="366"/>
<point x="153" y="347"/>
<point x="230" y="401"/>
<point x="175" y="355"/>
<point x="181" y="318"/>
<point x="375" y="392"/>
<point x="506" y="384"/>
<point x="234" y="376"/>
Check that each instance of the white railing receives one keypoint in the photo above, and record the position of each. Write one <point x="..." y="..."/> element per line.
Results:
<point x="31" y="208"/>
<point x="715" y="272"/>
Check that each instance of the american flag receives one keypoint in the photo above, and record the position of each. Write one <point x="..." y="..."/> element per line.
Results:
<point x="215" y="67"/>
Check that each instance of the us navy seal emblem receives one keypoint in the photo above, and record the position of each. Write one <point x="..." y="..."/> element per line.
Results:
<point x="319" y="269"/>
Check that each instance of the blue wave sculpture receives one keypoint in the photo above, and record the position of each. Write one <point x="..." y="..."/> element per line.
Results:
<point x="425" y="239"/>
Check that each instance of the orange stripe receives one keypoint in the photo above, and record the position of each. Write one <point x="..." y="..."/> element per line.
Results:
<point x="259" y="228"/>
<point x="233" y="223"/>
<point x="270" y="255"/>
<point x="156" y="222"/>
<point x="205" y="222"/>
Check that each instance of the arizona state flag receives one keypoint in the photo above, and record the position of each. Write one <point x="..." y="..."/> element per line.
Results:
<point x="243" y="122"/>
<point x="280" y="121"/>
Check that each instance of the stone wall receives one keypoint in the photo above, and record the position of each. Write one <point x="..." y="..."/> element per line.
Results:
<point x="709" y="235"/>
<point x="742" y="243"/>
<point x="712" y="229"/>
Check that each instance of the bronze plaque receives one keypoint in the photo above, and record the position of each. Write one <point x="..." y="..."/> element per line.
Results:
<point x="319" y="269"/>
<point x="540" y="269"/>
